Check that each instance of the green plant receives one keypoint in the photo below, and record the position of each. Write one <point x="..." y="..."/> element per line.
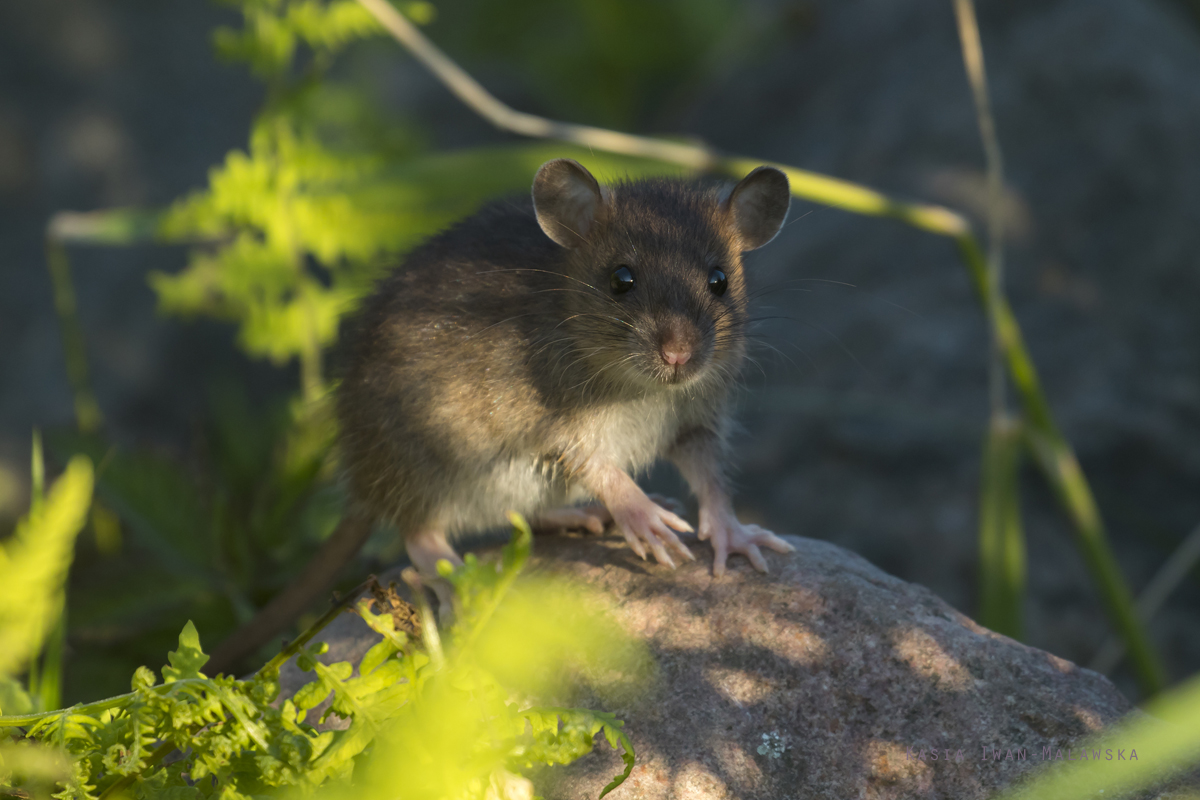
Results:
<point x="458" y="718"/>
<point x="33" y="569"/>
<point x="207" y="540"/>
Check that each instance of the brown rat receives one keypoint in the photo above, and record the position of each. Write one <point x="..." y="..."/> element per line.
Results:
<point x="540" y="353"/>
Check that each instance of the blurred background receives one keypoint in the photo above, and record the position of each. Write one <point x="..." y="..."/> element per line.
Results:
<point x="865" y="422"/>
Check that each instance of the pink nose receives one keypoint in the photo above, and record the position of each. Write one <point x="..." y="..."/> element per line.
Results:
<point x="676" y="356"/>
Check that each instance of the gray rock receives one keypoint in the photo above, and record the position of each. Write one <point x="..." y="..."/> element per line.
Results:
<point x="825" y="678"/>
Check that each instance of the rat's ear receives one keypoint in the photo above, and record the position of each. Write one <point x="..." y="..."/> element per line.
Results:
<point x="758" y="206"/>
<point x="567" y="200"/>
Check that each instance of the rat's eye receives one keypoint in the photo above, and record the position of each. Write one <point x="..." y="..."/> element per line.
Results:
<point x="717" y="282"/>
<point x="621" y="280"/>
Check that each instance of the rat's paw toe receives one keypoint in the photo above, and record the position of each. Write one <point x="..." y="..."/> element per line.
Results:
<point x="647" y="524"/>
<point x="729" y="536"/>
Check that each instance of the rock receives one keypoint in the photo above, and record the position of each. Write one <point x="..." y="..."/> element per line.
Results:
<point x="825" y="678"/>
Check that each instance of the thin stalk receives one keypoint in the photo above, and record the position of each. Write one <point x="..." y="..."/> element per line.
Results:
<point x="1001" y="537"/>
<point x="1057" y="462"/>
<point x="293" y="647"/>
<point x="88" y="710"/>
<point x="1166" y="580"/>
<point x="808" y="185"/>
<point x="87" y="410"/>
<point x="312" y="381"/>
<point x="972" y="50"/>
<point x="1002" y="562"/>
<point x="37" y="472"/>
<point x="48" y="692"/>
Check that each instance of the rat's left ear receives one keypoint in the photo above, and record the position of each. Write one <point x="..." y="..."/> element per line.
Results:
<point x="567" y="200"/>
<point x="758" y="206"/>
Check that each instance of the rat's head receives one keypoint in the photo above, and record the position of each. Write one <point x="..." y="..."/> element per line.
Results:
<point x="655" y="293"/>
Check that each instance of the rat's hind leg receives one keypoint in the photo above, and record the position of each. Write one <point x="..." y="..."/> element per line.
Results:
<point x="592" y="517"/>
<point x="425" y="549"/>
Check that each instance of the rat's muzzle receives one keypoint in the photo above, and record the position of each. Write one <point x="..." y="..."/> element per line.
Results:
<point x="680" y="349"/>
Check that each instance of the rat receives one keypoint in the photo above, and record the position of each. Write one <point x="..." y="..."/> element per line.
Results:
<point x="542" y="352"/>
<point x="538" y="355"/>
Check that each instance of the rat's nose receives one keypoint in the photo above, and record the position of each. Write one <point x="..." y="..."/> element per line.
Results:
<point x="678" y="344"/>
<point x="675" y="355"/>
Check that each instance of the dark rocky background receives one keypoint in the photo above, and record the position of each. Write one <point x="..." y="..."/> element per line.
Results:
<point x="865" y="428"/>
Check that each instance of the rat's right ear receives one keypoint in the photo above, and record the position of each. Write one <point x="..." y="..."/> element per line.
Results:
<point x="758" y="206"/>
<point x="567" y="200"/>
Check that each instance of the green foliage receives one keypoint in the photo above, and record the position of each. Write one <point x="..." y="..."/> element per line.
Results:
<point x="273" y="29"/>
<point x="463" y="730"/>
<point x="33" y="567"/>
<point x="608" y="62"/>
<point x="458" y="727"/>
<point x="208" y="541"/>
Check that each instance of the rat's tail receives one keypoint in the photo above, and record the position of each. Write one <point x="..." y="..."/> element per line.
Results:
<point x="316" y="579"/>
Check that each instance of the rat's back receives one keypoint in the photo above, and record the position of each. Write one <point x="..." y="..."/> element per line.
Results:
<point x="438" y="384"/>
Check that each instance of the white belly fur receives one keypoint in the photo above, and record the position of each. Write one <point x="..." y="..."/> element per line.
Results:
<point x="632" y="435"/>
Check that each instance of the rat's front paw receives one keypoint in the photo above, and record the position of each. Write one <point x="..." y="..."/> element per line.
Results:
<point x="592" y="517"/>
<point x="728" y="535"/>
<point x="645" y="523"/>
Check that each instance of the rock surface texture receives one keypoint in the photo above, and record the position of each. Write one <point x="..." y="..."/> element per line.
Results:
<point x="843" y="674"/>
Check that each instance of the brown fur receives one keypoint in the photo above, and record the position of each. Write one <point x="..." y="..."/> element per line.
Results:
<point x="493" y="362"/>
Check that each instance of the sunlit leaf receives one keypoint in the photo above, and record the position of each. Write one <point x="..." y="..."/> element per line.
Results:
<point x="34" y="563"/>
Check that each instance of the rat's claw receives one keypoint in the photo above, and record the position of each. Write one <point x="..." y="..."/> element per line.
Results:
<point x="645" y="523"/>
<point x="730" y="536"/>
<point x="635" y="544"/>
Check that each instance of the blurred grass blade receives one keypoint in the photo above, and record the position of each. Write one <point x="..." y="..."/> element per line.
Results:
<point x="1166" y="580"/>
<point x="1001" y="537"/>
<point x="34" y="563"/>
<point x="1058" y="464"/>
<point x="37" y="473"/>
<point x="1166" y="740"/>
<point x="87" y="410"/>
<point x="47" y="693"/>
<point x="120" y="227"/>
<point x="116" y="226"/>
